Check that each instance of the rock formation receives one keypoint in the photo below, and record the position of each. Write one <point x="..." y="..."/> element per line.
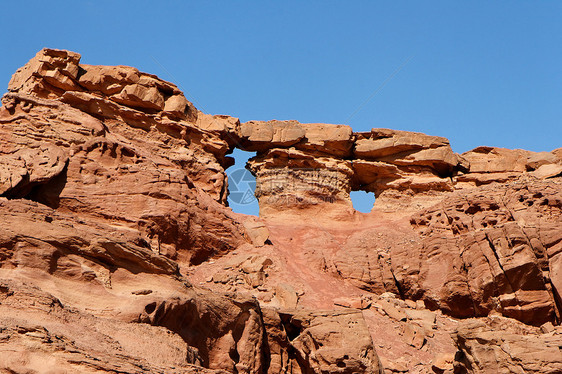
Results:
<point x="118" y="251"/>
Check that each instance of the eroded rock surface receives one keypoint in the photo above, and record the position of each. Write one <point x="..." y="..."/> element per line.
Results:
<point x="84" y="151"/>
<point x="118" y="252"/>
<point x="517" y="349"/>
<point x="39" y="334"/>
<point x="494" y="249"/>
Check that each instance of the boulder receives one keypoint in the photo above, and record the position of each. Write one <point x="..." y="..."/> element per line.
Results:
<point x="331" y="342"/>
<point x="286" y="296"/>
<point x="502" y="345"/>
<point x="261" y="136"/>
<point x="385" y="142"/>
<point x="497" y="160"/>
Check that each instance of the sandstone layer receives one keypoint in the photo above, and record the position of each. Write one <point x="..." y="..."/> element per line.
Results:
<point x="119" y="253"/>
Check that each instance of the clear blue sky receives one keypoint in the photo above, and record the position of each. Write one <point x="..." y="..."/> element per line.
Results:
<point x="480" y="73"/>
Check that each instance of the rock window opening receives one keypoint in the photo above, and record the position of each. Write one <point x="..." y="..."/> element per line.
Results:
<point x="362" y="201"/>
<point x="242" y="185"/>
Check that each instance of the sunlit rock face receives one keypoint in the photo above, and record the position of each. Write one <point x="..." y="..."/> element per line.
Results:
<point x="299" y="166"/>
<point x="292" y="180"/>
<point x="474" y="227"/>
<point x="118" y="252"/>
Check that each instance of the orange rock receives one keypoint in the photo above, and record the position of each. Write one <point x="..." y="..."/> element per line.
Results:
<point x="503" y="345"/>
<point x="113" y="209"/>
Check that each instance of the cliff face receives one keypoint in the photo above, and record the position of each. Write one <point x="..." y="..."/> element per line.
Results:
<point x="118" y="251"/>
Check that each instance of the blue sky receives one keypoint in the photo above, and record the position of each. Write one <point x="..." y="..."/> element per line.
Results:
<point x="478" y="73"/>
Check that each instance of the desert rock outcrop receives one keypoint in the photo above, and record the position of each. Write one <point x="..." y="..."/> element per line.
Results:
<point x="517" y="349"/>
<point x="119" y="253"/>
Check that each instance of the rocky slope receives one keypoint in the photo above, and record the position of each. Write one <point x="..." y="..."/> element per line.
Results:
<point x="118" y="252"/>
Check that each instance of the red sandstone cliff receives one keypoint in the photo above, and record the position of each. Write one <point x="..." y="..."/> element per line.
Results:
<point x="118" y="252"/>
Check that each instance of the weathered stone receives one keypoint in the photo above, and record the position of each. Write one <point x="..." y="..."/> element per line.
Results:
<point x="495" y="255"/>
<point x="355" y="302"/>
<point x="399" y="365"/>
<point x="547" y="171"/>
<point x="332" y="342"/>
<point x="257" y="231"/>
<point x="501" y="345"/>
<point x="261" y="136"/>
<point x="414" y="335"/>
<point x="39" y="334"/>
<point x="136" y="95"/>
<point x="319" y="342"/>
<point x="216" y="327"/>
<point x="333" y="140"/>
<point x="443" y="363"/>
<point x="401" y="160"/>
<point x="113" y="194"/>
<point x="286" y="296"/>
<point x="425" y="318"/>
<point x="392" y="311"/>
<point x="51" y="70"/>
<point x="497" y="160"/>
<point x="289" y="178"/>
<point x="385" y="142"/>
<point x="535" y="161"/>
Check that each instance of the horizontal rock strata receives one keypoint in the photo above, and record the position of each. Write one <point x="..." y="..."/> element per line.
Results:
<point x="119" y="253"/>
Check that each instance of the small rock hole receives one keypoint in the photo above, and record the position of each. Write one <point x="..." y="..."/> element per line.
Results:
<point x="149" y="309"/>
